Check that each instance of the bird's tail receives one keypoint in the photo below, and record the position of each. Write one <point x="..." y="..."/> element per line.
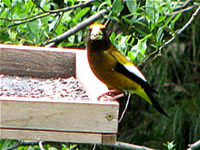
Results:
<point x="155" y="103"/>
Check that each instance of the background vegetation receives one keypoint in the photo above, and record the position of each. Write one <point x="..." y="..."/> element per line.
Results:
<point x="161" y="36"/>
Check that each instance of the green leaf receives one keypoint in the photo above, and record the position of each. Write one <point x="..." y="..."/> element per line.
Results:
<point x="149" y="8"/>
<point x="80" y="14"/>
<point x="112" y="37"/>
<point x="132" y="56"/>
<point x="3" y="14"/>
<point x="123" y="41"/>
<point x="28" y="6"/>
<point x="170" y="145"/>
<point x="174" y="20"/>
<point x="96" y="4"/>
<point x="33" y="27"/>
<point x="106" y="4"/>
<point x="138" y="51"/>
<point x="7" y="2"/>
<point x="80" y="36"/>
<point x="52" y="148"/>
<point x="114" y="18"/>
<point x="159" y="34"/>
<point x="12" y="35"/>
<point x="132" y="5"/>
<point x="140" y="31"/>
<point x="59" y="29"/>
<point x="197" y="3"/>
<point x="147" y="36"/>
<point x="66" y="17"/>
<point x="52" y="24"/>
<point x="142" y="46"/>
<point x="161" y="19"/>
<point x="71" y="38"/>
<point x="152" y="11"/>
<point x="117" y="6"/>
<point x="168" y="20"/>
<point x="140" y="22"/>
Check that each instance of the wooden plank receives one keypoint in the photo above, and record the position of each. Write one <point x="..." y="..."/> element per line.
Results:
<point x="37" y="61"/>
<point x="60" y="115"/>
<point x="91" y="84"/>
<point x="51" y="136"/>
<point x="109" y="138"/>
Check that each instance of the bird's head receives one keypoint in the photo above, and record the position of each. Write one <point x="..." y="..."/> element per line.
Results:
<point x="97" y="31"/>
<point x="97" y="37"/>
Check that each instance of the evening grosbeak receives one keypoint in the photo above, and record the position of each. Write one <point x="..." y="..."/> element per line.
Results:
<point x="114" y="69"/>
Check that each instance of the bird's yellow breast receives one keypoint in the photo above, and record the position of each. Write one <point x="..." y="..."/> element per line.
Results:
<point x="103" y="66"/>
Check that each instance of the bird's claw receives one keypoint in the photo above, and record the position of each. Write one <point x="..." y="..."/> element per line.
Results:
<point x="111" y="95"/>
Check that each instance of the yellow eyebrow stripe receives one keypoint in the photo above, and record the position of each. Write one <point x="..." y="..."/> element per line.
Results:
<point x="99" y="25"/>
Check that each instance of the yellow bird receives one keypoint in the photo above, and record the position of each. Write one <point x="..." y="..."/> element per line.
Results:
<point x="114" y="69"/>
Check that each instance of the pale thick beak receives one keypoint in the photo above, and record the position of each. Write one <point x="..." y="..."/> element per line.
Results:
<point x="96" y="34"/>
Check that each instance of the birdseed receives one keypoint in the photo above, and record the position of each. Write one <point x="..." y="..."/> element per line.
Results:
<point x="54" y="88"/>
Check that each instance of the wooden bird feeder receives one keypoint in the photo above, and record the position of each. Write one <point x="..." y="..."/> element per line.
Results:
<point x="47" y="119"/>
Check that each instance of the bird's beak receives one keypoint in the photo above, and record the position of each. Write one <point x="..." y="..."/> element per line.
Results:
<point x="96" y="34"/>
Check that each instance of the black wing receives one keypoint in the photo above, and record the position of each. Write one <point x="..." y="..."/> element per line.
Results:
<point x="147" y="88"/>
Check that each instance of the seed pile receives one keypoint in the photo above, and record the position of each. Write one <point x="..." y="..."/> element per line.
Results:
<point x="67" y="88"/>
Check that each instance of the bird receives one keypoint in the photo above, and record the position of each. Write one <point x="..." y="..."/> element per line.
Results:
<point x="114" y="69"/>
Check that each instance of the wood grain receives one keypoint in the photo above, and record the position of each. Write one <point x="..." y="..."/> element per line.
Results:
<point x="109" y="138"/>
<point x="51" y="136"/>
<point x="60" y="115"/>
<point x="36" y="61"/>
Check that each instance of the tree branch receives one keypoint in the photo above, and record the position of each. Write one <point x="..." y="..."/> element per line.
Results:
<point x="72" y="7"/>
<point x="116" y="145"/>
<point x="179" y="31"/>
<point x="182" y="5"/>
<point x="45" y="13"/>
<point x="38" y="5"/>
<point x="29" y="20"/>
<point x="75" y="29"/>
<point x="194" y="146"/>
<point x="129" y="146"/>
<point x="182" y="10"/>
<point x="155" y="53"/>
<point x="11" y="20"/>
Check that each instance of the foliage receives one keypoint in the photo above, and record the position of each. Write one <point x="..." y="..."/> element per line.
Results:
<point x="4" y="144"/>
<point x="170" y="145"/>
<point x="140" y="30"/>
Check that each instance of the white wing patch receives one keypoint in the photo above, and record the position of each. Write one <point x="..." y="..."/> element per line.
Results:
<point x="133" y="69"/>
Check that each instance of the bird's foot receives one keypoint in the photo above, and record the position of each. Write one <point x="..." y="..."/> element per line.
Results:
<point x="111" y="95"/>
